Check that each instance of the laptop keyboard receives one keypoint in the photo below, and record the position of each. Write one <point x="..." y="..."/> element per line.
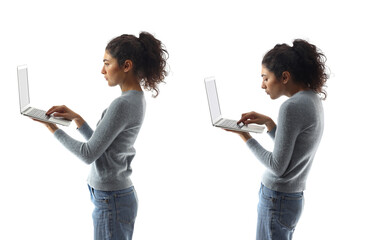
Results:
<point x="41" y="114"/>
<point x="230" y="124"/>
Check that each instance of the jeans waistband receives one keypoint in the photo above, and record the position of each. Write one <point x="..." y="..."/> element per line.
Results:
<point x="276" y="194"/>
<point x="110" y="193"/>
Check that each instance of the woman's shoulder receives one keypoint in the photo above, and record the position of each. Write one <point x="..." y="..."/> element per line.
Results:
<point x="128" y="97"/>
<point x="302" y="103"/>
<point x="128" y="101"/>
<point x="119" y="102"/>
<point x="303" y="97"/>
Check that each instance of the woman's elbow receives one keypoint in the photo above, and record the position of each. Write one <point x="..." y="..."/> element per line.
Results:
<point x="87" y="155"/>
<point x="278" y="170"/>
<point x="88" y="158"/>
<point x="279" y="173"/>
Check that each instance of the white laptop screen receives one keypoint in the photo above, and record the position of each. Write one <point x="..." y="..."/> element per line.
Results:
<point x="24" y="97"/>
<point x="212" y="96"/>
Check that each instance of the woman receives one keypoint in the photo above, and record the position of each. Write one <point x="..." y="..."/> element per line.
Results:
<point x="131" y="63"/>
<point x="297" y="72"/>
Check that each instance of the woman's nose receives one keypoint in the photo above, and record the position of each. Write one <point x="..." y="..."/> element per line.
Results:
<point x="103" y="70"/>
<point x="263" y="85"/>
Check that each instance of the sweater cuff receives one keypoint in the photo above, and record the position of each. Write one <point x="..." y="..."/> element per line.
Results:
<point x="83" y="127"/>
<point x="85" y="130"/>
<point x="58" y="132"/>
<point x="251" y="142"/>
<point x="272" y="132"/>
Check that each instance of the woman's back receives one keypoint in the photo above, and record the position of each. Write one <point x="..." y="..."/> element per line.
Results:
<point x="297" y="136"/>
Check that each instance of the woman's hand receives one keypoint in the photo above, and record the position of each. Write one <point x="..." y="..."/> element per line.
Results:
<point x="62" y="111"/>
<point x="51" y="126"/>
<point x="244" y="135"/>
<point x="257" y="118"/>
<point x="65" y="112"/>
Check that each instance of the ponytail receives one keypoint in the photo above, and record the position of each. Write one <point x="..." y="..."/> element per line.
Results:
<point x="311" y="67"/>
<point x="154" y="62"/>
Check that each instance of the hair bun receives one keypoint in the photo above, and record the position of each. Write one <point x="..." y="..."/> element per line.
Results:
<point x="303" y="48"/>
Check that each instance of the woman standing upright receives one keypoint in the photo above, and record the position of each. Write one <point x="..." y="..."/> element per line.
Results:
<point x="130" y="63"/>
<point x="299" y="73"/>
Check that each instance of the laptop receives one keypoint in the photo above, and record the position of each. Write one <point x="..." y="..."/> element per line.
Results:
<point x="216" y="115"/>
<point x="24" y="101"/>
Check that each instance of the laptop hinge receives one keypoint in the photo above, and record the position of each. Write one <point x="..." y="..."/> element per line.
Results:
<point x="218" y="121"/>
<point x="26" y="109"/>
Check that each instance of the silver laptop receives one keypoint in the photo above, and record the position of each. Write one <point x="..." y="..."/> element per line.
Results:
<point x="24" y="101"/>
<point x="216" y="115"/>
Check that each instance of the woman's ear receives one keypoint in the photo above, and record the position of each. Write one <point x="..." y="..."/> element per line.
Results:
<point x="128" y="65"/>
<point x="286" y="76"/>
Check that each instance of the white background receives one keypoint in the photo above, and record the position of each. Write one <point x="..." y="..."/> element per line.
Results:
<point x="193" y="181"/>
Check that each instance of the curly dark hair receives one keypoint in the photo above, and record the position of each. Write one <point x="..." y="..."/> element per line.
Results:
<point x="147" y="54"/>
<point x="304" y="61"/>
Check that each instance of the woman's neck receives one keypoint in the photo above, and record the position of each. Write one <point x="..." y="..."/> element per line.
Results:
<point x="293" y="89"/>
<point x="131" y="84"/>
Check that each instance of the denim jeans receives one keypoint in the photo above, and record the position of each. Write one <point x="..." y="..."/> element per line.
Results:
<point x="278" y="214"/>
<point x="114" y="214"/>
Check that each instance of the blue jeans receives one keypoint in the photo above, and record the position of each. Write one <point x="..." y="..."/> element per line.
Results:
<point x="114" y="214"/>
<point x="278" y="214"/>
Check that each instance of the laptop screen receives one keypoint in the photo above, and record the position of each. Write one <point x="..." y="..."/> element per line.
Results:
<point x="212" y="96"/>
<point x="24" y="97"/>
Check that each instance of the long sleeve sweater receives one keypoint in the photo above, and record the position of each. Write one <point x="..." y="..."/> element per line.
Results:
<point x="296" y="138"/>
<point x="110" y="148"/>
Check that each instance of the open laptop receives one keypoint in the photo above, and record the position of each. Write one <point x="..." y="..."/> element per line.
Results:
<point x="216" y="115"/>
<point x="24" y="101"/>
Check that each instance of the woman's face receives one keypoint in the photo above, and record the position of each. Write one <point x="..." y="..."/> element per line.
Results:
<point x="113" y="73"/>
<point x="272" y="86"/>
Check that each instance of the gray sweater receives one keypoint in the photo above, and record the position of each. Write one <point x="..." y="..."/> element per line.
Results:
<point x="296" y="138"/>
<point x="110" y="148"/>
